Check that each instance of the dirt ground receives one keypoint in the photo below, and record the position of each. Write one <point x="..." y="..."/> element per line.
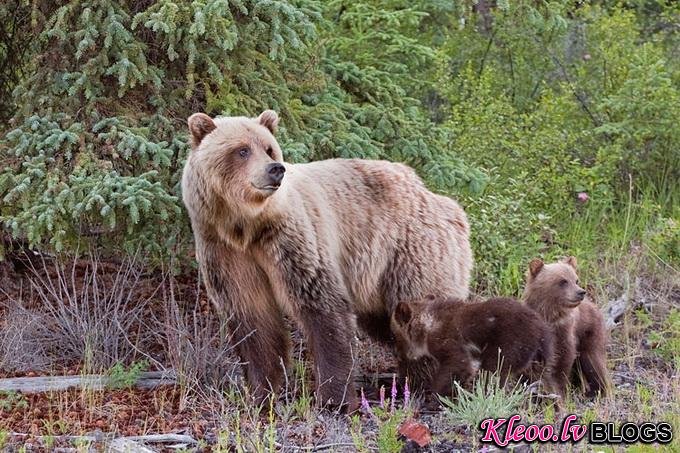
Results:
<point x="170" y="317"/>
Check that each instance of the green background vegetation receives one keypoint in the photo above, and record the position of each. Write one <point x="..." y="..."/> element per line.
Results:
<point x="513" y="108"/>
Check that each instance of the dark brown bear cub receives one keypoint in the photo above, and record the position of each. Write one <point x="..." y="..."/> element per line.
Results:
<point x="447" y="339"/>
<point x="553" y="291"/>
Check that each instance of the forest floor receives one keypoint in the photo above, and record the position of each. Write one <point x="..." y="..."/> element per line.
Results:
<point x="112" y="318"/>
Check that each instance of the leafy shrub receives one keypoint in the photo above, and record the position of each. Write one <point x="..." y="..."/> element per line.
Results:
<point x="551" y="102"/>
<point x="666" y="341"/>
<point x="664" y="238"/>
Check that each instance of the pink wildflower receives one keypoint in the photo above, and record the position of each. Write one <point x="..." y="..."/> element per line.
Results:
<point x="393" y="392"/>
<point x="582" y="197"/>
<point x="382" y="397"/>
<point x="365" y="407"/>
<point x="407" y="393"/>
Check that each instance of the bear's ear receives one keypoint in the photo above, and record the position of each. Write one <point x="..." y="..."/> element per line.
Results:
<point x="269" y="119"/>
<point x="402" y="314"/>
<point x="570" y="260"/>
<point x="200" y="125"/>
<point x="535" y="267"/>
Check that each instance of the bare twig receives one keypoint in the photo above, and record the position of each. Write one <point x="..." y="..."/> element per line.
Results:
<point x="319" y="447"/>
<point x="163" y="438"/>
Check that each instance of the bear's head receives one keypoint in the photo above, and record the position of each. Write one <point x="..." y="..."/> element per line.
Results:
<point x="553" y="288"/>
<point x="238" y="156"/>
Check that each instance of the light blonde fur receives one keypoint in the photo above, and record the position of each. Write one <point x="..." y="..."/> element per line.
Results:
<point x="339" y="239"/>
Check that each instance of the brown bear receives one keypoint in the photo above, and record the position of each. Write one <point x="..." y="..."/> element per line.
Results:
<point x="331" y="244"/>
<point x="447" y="339"/>
<point x="553" y="291"/>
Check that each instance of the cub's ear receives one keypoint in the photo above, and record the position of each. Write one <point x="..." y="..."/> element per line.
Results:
<point x="200" y="125"/>
<point x="269" y="119"/>
<point x="535" y="267"/>
<point x="402" y="314"/>
<point x="570" y="260"/>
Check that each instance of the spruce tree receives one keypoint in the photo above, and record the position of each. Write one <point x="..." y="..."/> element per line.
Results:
<point x="97" y="138"/>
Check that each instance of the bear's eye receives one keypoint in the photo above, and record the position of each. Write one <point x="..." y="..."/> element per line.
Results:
<point x="244" y="152"/>
<point x="563" y="282"/>
<point x="270" y="151"/>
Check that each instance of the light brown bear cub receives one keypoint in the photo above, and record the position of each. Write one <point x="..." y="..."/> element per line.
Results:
<point x="553" y="291"/>
<point x="447" y="339"/>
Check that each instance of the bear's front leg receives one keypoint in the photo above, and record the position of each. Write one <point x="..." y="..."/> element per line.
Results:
<point x="305" y="275"/>
<point x="242" y="295"/>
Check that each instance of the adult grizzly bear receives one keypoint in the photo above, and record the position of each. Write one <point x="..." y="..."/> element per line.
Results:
<point x="329" y="243"/>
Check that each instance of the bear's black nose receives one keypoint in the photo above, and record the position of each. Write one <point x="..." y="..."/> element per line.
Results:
<point x="581" y="294"/>
<point x="276" y="171"/>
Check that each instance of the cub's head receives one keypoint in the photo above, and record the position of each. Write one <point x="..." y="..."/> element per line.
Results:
<point x="554" y="287"/>
<point x="412" y="323"/>
<point x="238" y="157"/>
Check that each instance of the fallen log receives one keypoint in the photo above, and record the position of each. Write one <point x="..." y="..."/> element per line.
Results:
<point x="123" y="441"/>
<point x="40" y="384"/>
<point x="162" y="439"/>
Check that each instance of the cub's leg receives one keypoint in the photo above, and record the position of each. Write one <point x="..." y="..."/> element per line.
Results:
<point x="591" y="337"/>
<point x="456" y="364"/>
<point x="562" y="364"/>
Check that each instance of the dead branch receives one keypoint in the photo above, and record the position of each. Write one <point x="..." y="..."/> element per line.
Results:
<point x="39" y="384"/>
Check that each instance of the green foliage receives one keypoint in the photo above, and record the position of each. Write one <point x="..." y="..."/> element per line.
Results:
<point x="551" y="100"/>
<point x="387" y="439"/>
<point x="358" y="436"/>
<point x="13" y="52"/>
<point x="120" y="377"/>
<point x="10" y="401"/>
<point x="513" y="108"/>
<point x="664" y="238"/>
<point x="97" y="141"/>
<point x="302" y="405"/>
<point x="488" y="398"/>
<point x="666" y="340"/>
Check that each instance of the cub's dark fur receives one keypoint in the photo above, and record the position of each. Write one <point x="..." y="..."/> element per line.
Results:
<point x="447" y="339"/>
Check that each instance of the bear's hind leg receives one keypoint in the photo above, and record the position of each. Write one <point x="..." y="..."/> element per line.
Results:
<point x="592" y="366"/>
<point x="263" y="343"/>
<point x="330" y="337"/>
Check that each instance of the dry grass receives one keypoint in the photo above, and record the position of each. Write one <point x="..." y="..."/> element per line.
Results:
<point x="127" y="316"/>
<point x="196" y="344"/>
<point x="78" y="312"/>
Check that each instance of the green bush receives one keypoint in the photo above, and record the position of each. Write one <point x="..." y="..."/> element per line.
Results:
<point x="551" y="101"/>
<point x="514" y="109"/>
